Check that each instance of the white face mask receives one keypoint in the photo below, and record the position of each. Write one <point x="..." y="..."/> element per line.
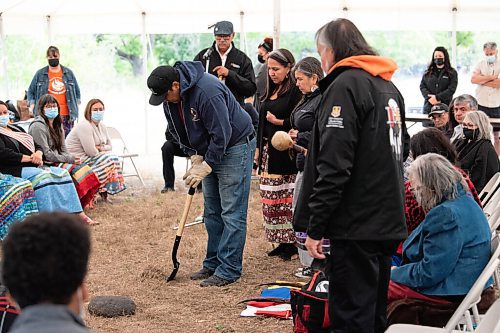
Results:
<point x="491" y="59"/>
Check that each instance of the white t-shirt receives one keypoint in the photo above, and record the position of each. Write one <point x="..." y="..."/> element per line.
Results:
<point x="488" y="96"/>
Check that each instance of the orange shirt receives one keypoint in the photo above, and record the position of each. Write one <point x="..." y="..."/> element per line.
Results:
<point x="58" y="90"/>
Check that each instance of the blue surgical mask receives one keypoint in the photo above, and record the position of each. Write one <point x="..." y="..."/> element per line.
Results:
<point x="4" y="120"/>
<point x="51" y="113"/>
<point x="97" y="115"/>
<point x="491" y="59"/>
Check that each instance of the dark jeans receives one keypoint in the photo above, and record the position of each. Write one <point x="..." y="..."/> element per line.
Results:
<point x="168" y="151"/>
<point x="359" y="277"/>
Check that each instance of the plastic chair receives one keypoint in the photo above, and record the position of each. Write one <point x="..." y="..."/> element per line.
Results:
<point x="490" y="189"/>
<point x="469" y="302"/>
<point x="114" y="134"/>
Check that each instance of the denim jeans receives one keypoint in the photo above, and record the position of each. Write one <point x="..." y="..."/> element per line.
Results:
<point x="226" y="192"/>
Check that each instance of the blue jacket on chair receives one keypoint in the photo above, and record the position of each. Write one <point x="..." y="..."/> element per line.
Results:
<point x="447" y="252"/>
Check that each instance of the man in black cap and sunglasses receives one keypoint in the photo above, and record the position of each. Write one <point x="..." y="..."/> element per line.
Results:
<point x="212" y="128"/>
<point x="230" y="65"/>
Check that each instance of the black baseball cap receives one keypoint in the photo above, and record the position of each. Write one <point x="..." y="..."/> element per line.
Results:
<point x="223" y="28"/>
<point x="438" y="109"/>
<point x="160" y="82"/>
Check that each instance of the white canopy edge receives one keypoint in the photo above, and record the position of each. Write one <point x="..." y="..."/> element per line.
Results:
<point x="29" y="17"/>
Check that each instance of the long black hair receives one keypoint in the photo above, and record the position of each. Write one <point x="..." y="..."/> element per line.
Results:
<point x="286" y="59"/>
<point x="344" y="38"/>
<point x="432" y="66"/>
<point x="55" y="131"/>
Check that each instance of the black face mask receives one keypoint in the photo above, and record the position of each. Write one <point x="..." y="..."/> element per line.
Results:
<point x="439" y="61"/>
<point x="53" y="62"/>
<point x="260" y="58"/>
<point x="470" y="134"/>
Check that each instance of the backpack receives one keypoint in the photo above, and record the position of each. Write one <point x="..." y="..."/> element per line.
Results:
<point x="310" y="306"/>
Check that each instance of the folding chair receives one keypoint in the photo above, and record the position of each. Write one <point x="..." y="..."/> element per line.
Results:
<point x="493" y="204"/>
<point x="114" y="134"/>
<point x="469" y="301"/>
<point x="490" y="189"/>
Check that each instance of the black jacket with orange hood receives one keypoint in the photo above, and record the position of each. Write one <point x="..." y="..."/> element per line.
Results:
<point x="353" y="179"/>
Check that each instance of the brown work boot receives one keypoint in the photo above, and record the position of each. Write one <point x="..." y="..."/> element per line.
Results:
<point x="202" y="274"/>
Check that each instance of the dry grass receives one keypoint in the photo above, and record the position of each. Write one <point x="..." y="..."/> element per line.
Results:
<point x="132" y="254"/>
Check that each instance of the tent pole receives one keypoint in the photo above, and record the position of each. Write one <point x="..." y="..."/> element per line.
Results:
<point x="49" y="29"/>
<point x="454" y="11"/>
<point x="243" y="36"/>
<point x="144" y="78"/>
<point x="277" y="25"/>
<point x="3" y="56"/>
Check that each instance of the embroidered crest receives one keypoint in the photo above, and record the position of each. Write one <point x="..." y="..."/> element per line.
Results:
<point x="194" y="114"/>
<point x="336" y="111"/>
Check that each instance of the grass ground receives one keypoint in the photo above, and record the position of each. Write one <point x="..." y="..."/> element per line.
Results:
<point x="132" y="254"/>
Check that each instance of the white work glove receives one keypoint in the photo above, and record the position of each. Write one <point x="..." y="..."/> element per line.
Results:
<point x="199" y="170"/>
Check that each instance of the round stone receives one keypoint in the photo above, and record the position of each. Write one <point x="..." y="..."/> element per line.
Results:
<point x="111" y="306"/>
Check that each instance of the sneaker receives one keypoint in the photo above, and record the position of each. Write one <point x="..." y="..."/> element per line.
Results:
<point x="304" y="272"/>
<point x="215" y="281"/>
<point x="202" y="274"/>
<point x="167" y="189"/>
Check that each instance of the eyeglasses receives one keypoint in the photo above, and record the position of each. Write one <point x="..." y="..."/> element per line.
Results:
<point x="222" y="36"/>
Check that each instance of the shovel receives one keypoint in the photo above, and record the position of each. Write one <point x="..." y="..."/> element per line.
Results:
<point x="178" y="236"/>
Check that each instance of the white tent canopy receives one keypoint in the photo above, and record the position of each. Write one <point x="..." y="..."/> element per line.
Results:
<point x="193" y="16"/>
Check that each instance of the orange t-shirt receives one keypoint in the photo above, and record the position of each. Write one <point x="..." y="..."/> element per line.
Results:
<point x="58" y="90"/>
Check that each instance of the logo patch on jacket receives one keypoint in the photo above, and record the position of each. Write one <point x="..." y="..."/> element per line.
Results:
<point x="336" y="111"/>
<point x="395" y="132"/>
<point x="334" y="119"/>
<point x="194" y="114"/>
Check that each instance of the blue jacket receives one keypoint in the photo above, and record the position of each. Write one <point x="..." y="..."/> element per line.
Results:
<point x="213" y="119"/>
<point x="447" y="252"/>
<point x="39" y="86"/>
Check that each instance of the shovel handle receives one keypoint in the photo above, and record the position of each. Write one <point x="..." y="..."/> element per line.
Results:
<point x="185" y="212"/>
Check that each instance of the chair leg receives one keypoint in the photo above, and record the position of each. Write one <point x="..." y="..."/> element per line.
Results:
<point x="137" y="172"/>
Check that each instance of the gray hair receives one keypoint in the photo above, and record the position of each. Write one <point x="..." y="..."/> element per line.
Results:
<point x="466" y="99"/>
<point x="482" y="121"/>
<point x="490" y="45"/>
<point x="433" y="178"/>
<point x="309" y="66"/>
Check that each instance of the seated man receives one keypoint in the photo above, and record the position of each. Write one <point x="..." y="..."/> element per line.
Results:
<point x="169" y="150"/>
<point x="440" y="116"/>
<point x="44" y="267"/>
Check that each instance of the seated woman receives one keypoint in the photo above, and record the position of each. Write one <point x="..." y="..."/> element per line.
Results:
<point x="21" y="157"/>
<point x="17" y="202"/>
<point x="47" y="132"/>
<point x="89" y="141"/>
<point x="447" y="252"/>
<point x="476" y="153"/>
<point x="430" y="140"/>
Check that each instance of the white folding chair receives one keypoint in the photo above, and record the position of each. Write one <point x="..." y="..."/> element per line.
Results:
<point x="469" y="301"/>
<point x="114" y="134"/>
<point x="490" y="189"/>
<point x="493" y="204"/>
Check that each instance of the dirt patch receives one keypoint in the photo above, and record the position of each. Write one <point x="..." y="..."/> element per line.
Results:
<point x="132" y="256"/>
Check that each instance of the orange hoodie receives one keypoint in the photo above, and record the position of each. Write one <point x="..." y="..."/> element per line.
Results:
<point x="375" y="65"/>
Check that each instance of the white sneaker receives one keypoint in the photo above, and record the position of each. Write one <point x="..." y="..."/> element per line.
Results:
<point x="304" y="272"/>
